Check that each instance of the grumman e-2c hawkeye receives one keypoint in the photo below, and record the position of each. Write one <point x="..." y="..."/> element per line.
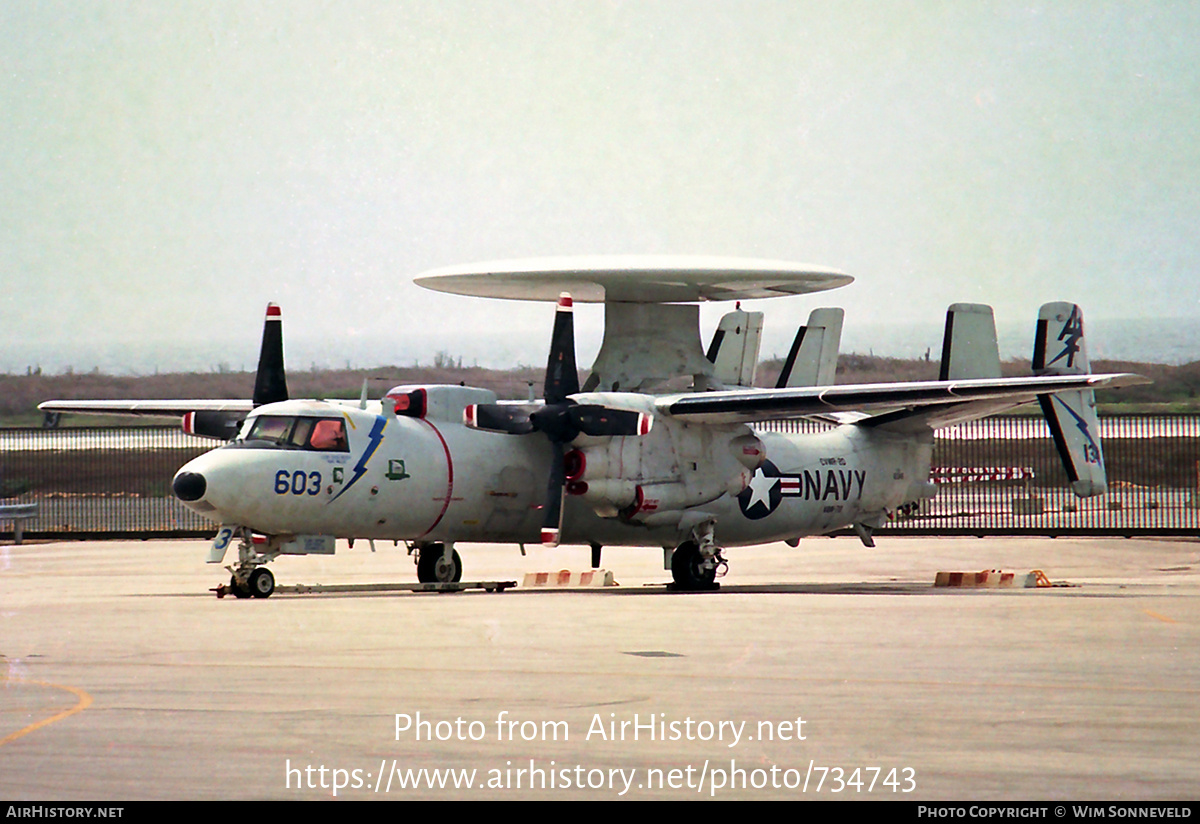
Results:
<point x="656" y="448"/>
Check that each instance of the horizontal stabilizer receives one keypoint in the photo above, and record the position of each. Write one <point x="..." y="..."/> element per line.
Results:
<point x="812" y="360"/>
<point x="747" y="406"/>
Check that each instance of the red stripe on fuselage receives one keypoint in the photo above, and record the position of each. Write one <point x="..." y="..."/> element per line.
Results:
<point x="449" y="478"/>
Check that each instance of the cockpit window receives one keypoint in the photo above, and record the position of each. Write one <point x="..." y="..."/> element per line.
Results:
<point x="328" y="434"/>
<point x="270" y="428"/>
<point x="291" y="432"/>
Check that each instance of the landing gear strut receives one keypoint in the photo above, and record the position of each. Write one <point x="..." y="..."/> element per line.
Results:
<point x="438" y="564"/>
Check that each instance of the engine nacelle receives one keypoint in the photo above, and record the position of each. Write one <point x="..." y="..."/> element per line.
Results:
<point x="208" y="424"/>
<point x="673" y="467"/>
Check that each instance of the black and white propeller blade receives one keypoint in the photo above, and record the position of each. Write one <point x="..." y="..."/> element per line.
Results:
<point x="599" y="421"/>
<point x="270" y="383"/>
<point x="562" y="377"/>
<point x="556" y="491"/>
<point x="510" y="419"/>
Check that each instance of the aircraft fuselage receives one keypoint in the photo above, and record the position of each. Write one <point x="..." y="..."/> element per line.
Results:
<point x="436" y="480"/>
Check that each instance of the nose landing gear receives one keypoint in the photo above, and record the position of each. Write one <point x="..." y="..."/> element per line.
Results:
<point x="250" y="578"/>
<point x="260" y="583"/>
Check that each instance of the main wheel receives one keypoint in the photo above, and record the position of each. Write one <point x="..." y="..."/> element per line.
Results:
<point x="262" y="583"/>
<point x="433" y="568"/>
<point x="689" y="569"/>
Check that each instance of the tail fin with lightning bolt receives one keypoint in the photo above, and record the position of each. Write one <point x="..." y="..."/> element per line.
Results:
<point x="1059" y="349"/>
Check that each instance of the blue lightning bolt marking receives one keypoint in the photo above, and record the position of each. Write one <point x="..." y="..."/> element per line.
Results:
<point x="375" y="438"/>
<point x="1092" y="455"/>
<point x="1072" y="331"/>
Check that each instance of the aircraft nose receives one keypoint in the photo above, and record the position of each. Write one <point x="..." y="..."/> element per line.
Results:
<point x="189" y="486"/>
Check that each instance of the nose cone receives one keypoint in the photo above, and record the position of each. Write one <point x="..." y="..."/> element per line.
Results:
<point x="189" y="486"/>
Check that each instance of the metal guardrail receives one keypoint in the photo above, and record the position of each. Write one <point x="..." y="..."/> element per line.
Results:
<point x="17" y="515"/>
<point x="997" y="476"/>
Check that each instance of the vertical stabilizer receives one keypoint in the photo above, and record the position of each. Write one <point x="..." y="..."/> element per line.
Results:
<point x="812" y="360"/>
<point x="1059" y="349"/>
<point x="734" y="348"/>
<point x="969" y="348"/>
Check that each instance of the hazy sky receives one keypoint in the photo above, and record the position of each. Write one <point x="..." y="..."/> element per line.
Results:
<point x="168" y="168"/>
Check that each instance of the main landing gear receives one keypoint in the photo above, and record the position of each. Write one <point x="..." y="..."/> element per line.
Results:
<point x="692" y="572"/>
<point x="695" y="563"/>
<point x="438" y="564"/>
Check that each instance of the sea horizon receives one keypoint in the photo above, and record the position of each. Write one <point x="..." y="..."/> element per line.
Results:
<point x="1171" y="341"/>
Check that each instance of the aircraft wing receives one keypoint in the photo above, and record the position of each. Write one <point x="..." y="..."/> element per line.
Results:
<point x="935" y="403"/>
<point x="207" y="417"/>
<point x="156" y="408"/>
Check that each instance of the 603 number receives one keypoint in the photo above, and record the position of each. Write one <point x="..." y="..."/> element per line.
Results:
<point x="297" y="483"/>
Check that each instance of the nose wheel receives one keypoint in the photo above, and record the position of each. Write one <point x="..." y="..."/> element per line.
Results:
<point x="239" y="590"/>
<point x="260" y="583"/>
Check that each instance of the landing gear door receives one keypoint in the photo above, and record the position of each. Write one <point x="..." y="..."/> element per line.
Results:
<point x="225" y="536"/>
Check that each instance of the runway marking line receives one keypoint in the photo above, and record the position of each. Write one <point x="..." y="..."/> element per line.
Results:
<point x="85" y="701"/>
<point x="1162" y="618"/>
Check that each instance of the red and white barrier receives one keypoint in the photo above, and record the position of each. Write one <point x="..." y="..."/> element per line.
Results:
<point x="566" y="578"/>
<point x="992" y="578"/>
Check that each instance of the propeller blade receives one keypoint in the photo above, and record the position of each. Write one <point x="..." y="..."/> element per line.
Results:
<point x="270" y="384"/>
<point x="596" y="420"/>
<point x="555" y="492"/>
<point x="510" y="419"/>
<point x="562" y="377"/>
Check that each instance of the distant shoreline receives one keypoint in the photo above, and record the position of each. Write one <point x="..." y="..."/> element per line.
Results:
<point x="1175" y="388"/>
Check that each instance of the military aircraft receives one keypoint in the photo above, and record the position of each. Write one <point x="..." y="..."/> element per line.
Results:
<point x="663" y="445"/>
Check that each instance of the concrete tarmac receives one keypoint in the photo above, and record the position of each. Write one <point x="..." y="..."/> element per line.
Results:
<point x="829" y="671"/>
